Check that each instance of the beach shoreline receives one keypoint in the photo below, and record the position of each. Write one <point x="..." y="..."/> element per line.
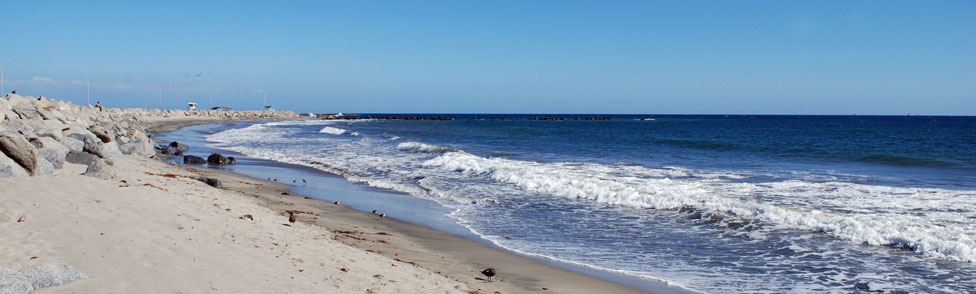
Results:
<point x="132" y="222"/>
<point x="454" y="256"/>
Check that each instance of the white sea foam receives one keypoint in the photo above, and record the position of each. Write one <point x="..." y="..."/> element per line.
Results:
<point x="876" y="215"/>
<point x="332" y="131"/>
<point x="421" y="147"/>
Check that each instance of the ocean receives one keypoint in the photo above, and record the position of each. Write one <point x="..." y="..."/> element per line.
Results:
<point x="712" y="203"/>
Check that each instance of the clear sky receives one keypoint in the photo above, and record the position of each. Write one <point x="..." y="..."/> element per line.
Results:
<point x="713" y="57"/>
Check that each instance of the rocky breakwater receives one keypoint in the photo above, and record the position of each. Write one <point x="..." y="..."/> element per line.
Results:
<point x="38" y="135"/>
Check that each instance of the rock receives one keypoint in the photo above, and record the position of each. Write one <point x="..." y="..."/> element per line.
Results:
<point x="213" y="182"/>
<point x="48" y="128"/>
<point x="217" y="159"/>
<point x="80" y="157"/>
<point x="12" y="282"/>
<point x="190" y="159"/>
<point x="44" y="167"/>
<point x="91" y="143"/>
<point x="862" y="286"/>
<point x="9" y="168"/>
<point x="73" y="144"/>
<point x="51" y="274"/>
<point x="18" y="149"/>
<point x="98" y="169"/>
<point x="53" y="156"/>
<point x="101" y="134"/>
<point x="180" y="147"/>
<point x="143" y="148"/>
<point x="110" y="150"/>
<point x="27" y="113"/>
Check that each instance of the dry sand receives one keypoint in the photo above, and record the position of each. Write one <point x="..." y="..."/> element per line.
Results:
<point x="163" y="231"/>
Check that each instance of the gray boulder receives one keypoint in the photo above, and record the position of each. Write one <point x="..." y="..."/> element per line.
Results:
<point x="27" y="113"/>
<point x="47" y="128"/>
<point x="53" y="156"/>
<point x="99" y="169"/>
<point x="144" y="148"/>
<point x="79" y="157"/>
<point x="9" y="168"/>
<point x="73" y="144"/>
<point x="44" y="167"/>
<point x="51" y="274"/>
<point x="12" y="282"/>
<point x="18" y="149"/>
<point x="110" y="150"/>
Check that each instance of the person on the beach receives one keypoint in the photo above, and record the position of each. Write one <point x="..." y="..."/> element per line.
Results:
<point x="99" y="105"/>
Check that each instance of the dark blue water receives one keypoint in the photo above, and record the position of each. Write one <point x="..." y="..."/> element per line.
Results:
<point x="714" y="203"/>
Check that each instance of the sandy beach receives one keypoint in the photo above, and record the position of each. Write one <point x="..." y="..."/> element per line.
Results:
<point x="150" y="226"/>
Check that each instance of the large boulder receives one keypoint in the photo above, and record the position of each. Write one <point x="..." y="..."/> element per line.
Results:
<point x="12" y="282"/>
<point x="80" y="157"/>
<point x="99" y="169"/>
<point x="73" y="144"/>
<point x="51" y="150"/>
<point x="218" y="159"/>
<point x="44" y="167"/>
<point x="18" y="149"/>
<point x="190" y="159"/>
<point x="110" y="150"/>
<point x="9" y="168"/>
<point x="144" y="148"/>
<point x="51" y="274"/>
<point x="47" y="128"/>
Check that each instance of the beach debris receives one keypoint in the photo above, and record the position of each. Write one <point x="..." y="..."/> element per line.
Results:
<point x="21" y="219"/>
<point x="285" y="193"/>
<point x="247" y="216"/>
<point x="489" y="272"/>
<point x="304" y="181"/>
<point x="344" y="269"/>
<point x="291" y="217"/>
<point x="192" y="159"/>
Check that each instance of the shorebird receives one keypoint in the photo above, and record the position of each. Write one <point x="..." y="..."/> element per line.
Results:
<point x="291" y="217"/>
<point x="489" y="272"/>
<point x="336" y="203"/>
<point x="276" y="179"/>
<point x="374" y="211"/>
<point x="383" y="215"/>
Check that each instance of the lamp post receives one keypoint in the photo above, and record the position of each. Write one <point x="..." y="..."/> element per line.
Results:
<point x="1" y="76"/>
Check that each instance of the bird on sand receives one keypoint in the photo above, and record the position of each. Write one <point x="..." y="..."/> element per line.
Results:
<point x="336" y="203"/>
<point x="374" y="211"/>
<point x="291" y="217"/>
<point x="383" y="215"/>
<point x="489" y="272"/>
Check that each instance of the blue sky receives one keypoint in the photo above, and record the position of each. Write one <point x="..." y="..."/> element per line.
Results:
<point x="755" y="57"/>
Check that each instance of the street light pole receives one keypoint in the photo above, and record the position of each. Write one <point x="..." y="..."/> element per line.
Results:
<point x="89" y="93"/>
<point x="1" y="77"/>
